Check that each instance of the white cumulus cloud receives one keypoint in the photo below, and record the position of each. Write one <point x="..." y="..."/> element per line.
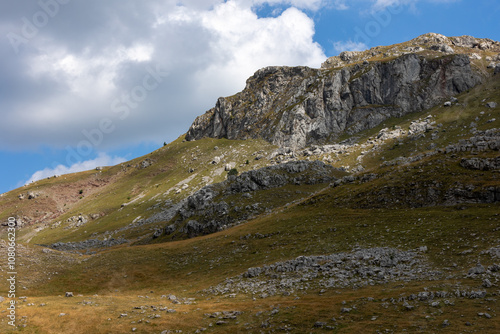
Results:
<point x="339" y="5"/>
<point x="301" y="4"/>
<point x="241" y="49"/>
<point x="64" y="80"/>
<point x="349" y="46"/>
<point x="101" y="160"/>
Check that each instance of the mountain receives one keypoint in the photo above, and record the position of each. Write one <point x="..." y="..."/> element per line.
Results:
<point x="362" y="196"/>
<point x="299" y="106"/>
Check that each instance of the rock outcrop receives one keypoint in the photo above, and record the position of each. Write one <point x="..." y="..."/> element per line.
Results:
<point x="482" y="141"/>
<point x="481" y="163"/>
<point x="86" y="245"/>
<point x="208" y="211"/>
<point x="299" y="106"/>
<point x="355" y="269"/>
<point x="431" y="41"/>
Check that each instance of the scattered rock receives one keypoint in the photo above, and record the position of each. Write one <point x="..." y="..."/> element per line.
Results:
<point x="487" y="283"/>
<point x="481" y="163"/>
<point x="447" y="49"/>
<point x="421" y="126"/>
<point x="408" y="306"/>
<point x="442" y="48"/>
<point x="69" y="294"/>
<point x="483" y="314"/>
<point x="356" y="269"/>
<point x="481" y="141"/>
<point x="347" y="56"/>
<point x="477" y="270"/>
<point x="146" y="163"/>
<point x="319" y="324"/>
<point x="158" y="233"/>
<point x="86" y="245"/>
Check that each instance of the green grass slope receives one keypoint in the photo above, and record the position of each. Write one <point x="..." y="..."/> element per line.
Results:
<point x="118" y="195"/>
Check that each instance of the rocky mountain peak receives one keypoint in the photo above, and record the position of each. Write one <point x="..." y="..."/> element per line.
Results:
<point x="428" y="42"/>
<point x="299" y="106"/>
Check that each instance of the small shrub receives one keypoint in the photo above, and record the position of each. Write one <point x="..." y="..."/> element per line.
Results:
<point x="81" y="191"/>
<point x="247" y="162"/>
<point x="233" y="171"/>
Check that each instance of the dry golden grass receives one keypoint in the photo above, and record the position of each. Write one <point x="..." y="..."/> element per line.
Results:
<point x="372" y="312"/>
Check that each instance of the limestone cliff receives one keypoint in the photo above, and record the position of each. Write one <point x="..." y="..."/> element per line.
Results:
<point x="298" y="106"/>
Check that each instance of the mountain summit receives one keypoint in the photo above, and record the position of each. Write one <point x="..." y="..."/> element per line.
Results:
<point x="299" y="106"/>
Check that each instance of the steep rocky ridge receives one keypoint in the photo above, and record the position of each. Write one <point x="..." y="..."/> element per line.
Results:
<point x="299" y="106"/>
<point x="471" y="46"/>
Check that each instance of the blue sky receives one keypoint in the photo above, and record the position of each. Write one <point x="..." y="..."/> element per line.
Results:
<point x="87" y="83"/>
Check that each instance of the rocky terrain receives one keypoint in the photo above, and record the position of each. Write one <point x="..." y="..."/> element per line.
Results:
<point x="208" y="211"/>
<point x="87" y="244"/>
<point x="359" y="268"/>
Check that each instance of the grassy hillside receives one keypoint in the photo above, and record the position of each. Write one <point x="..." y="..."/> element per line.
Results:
<point x="411" y="194"/>
<point x="112" y="282"/>
<point x="118" y="195"/>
